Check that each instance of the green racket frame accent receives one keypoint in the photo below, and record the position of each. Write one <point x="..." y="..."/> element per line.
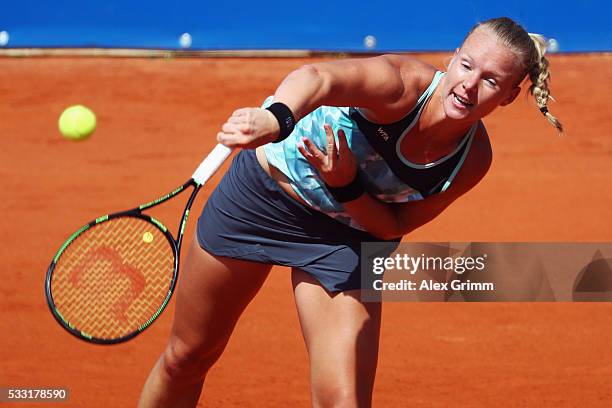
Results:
<point x="162" y="199"/>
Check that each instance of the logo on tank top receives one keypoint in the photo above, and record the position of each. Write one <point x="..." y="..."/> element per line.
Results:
<point x="381" y="132"/>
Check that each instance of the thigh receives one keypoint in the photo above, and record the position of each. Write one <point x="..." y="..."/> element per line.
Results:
<point x="342" y="336"/>
<point x="211" y="294"/>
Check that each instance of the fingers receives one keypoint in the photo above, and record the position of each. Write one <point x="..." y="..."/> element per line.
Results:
<point x="332" y="151"/>
<point x="316" y="153"/>
<point x="311" y="152"/>
<point x="338" y="166"/>
<point x="239" y="122"/>
<point x="237" y="131"/>
<point x="232" y="135"/>
<point x="233" y="128"/>
<point x="343" y="147"/>
<point x="331" y="142"/>
<point x="227" y="139"/>
<point x="307" y="155"/>
<point x="314" y="162"/>
<point x="236" y="119"/>
<point x="241" y="112"/>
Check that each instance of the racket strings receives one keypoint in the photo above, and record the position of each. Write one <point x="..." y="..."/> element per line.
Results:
<point x="113" y="277"/>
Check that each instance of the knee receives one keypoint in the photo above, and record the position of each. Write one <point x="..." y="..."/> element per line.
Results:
<point x="339" y="396"/>
<point x="186" y="362"/>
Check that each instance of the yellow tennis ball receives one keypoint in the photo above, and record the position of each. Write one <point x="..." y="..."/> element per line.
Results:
<point x="77" y="122"/>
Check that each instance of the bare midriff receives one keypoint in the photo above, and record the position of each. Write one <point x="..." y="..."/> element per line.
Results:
<point x="277" y="175"/>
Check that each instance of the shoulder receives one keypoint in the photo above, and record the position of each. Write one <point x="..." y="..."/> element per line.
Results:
<point x="406" y="62"/>
<point x="410" y="78"/>
<point x="416" y="75"/>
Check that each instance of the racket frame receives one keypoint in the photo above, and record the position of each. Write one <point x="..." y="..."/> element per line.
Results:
<point x="136" y="213"/>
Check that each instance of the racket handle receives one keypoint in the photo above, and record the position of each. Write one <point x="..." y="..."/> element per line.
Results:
<point x="211" y="163"/>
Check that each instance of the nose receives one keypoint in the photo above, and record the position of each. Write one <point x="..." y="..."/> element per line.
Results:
<point x="469" y="82"/>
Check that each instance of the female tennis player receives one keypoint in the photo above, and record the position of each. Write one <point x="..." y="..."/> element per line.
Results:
<point x="344" y="152"/>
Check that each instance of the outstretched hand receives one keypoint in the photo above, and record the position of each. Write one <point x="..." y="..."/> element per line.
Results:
<point x="337" y="165"/>
<point x="249" y="128"/>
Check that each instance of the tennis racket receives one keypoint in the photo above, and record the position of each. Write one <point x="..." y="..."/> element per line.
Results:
<point x="114" y="276"/>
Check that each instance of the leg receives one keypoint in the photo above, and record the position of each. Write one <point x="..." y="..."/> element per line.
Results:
<point x="211" y="295"/>
<point x="341" y="335"/>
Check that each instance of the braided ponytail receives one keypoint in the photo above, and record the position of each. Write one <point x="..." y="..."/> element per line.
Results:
<point x="539" y="76"/>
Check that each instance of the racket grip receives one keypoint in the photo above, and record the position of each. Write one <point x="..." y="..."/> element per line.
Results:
<point x="211" y="163"/>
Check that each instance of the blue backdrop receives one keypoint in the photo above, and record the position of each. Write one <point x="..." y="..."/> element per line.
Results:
<point x="294" y="24"/>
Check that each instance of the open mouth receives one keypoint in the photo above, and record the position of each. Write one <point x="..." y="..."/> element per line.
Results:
<point x="462" y="101"/>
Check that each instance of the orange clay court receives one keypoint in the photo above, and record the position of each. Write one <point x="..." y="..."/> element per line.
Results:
<point x="157" y="118"/>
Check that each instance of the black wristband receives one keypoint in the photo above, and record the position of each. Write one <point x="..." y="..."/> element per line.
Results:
<point x="285" y="118"/>
<point x="349" y="192"/>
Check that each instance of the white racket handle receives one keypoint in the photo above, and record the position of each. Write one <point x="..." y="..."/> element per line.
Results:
<point x="211" y="163"/>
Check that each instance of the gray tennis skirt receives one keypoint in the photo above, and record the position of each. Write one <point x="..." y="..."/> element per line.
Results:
<point x="250" y="217"/>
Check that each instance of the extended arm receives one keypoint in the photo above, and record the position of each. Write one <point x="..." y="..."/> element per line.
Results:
<point x="377" y="83"/>
<point x="369" y="83"/>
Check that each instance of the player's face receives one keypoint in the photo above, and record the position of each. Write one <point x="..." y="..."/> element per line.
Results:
<point x="483" y="75"/>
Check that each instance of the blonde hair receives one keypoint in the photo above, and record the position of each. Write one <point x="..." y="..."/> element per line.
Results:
<point x="530" y="48"/>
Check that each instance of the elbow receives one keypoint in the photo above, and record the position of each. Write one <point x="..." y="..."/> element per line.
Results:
<point x="320" y="77"/>
<point x="310" y="72"/>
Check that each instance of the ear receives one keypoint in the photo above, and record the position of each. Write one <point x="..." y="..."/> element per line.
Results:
<point x="511" y="97"/>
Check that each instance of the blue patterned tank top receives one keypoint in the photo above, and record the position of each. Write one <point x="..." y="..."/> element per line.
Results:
<point x="386" y="173"/>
